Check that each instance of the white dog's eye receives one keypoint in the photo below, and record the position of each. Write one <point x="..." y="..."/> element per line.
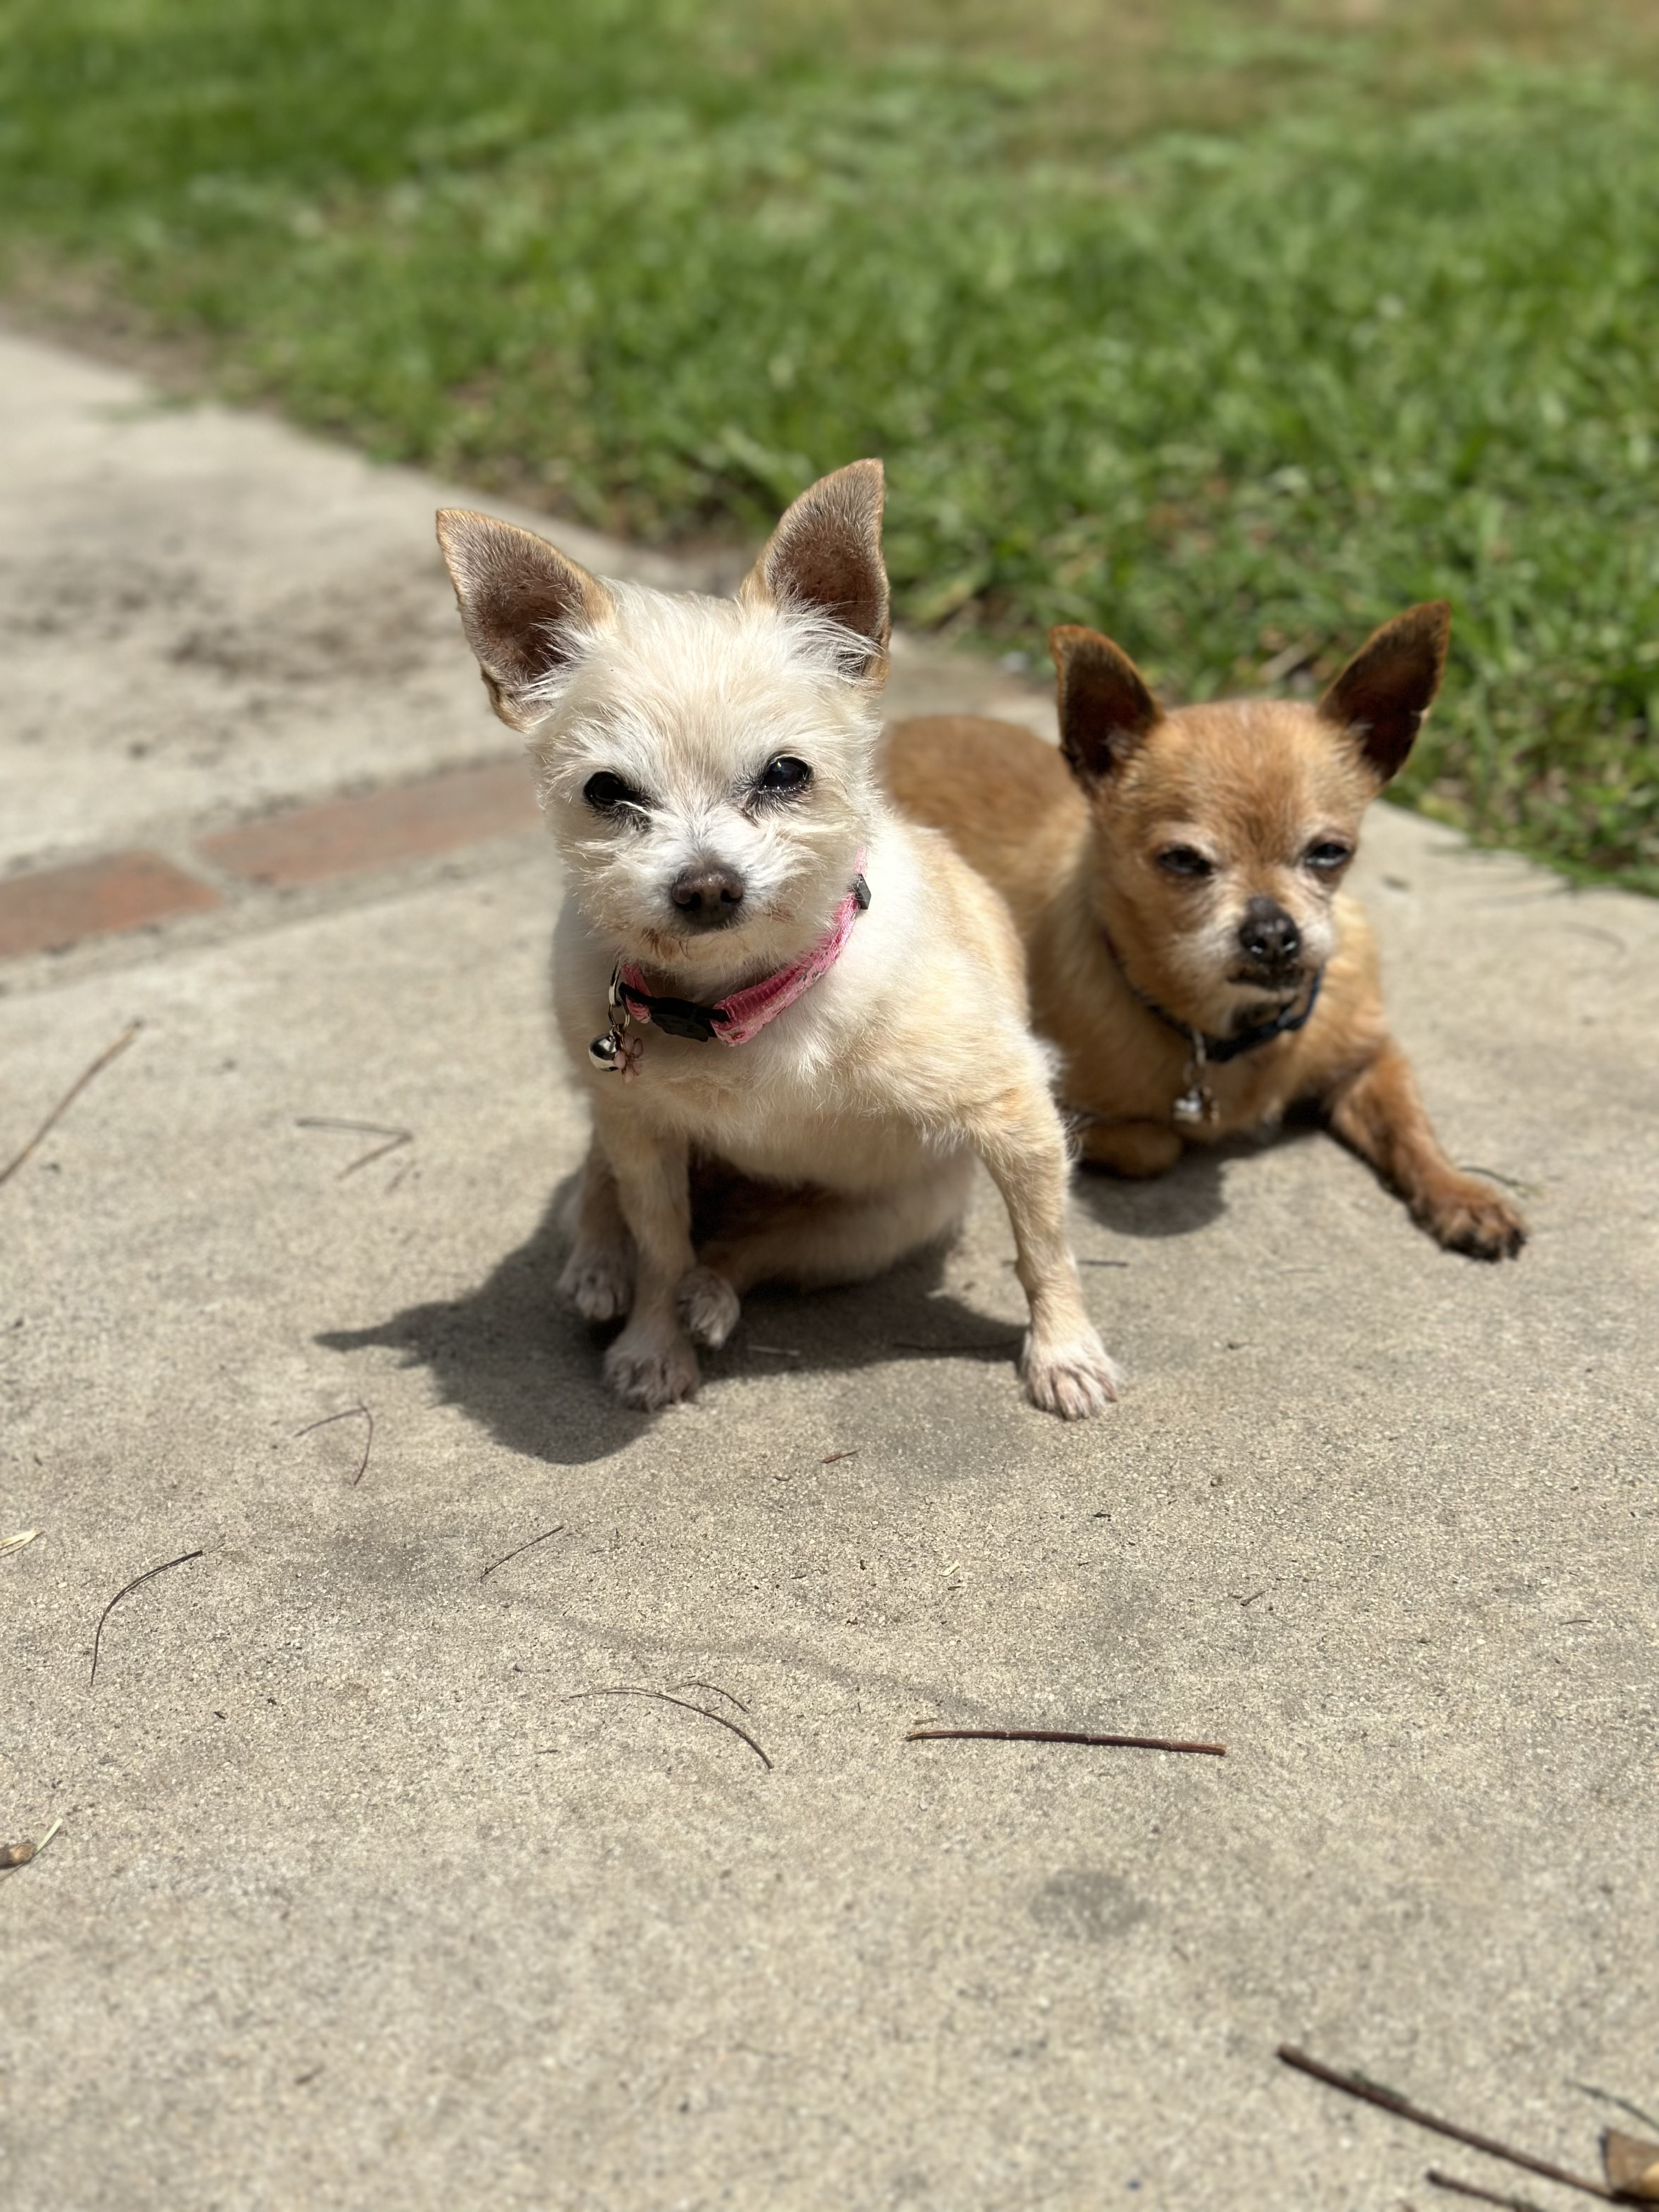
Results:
<point x="784" y="776"/>
<point x="1329" y="856"/>
<point x="605" y="792"/>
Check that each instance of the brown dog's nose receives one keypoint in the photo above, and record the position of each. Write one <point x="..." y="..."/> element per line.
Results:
<point x="1267" y="935"/>
<point x="708" y="895"/>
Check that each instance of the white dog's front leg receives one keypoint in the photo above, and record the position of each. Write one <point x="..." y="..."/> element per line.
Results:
<point x="598" y="1276"/>
<point x="1067" y="1368"/>
<point x="652" y="1363"/>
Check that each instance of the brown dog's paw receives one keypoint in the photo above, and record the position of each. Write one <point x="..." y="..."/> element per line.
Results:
<point x="708" y="1305"/>
<point x="598" y="1280"/>
<point x="649" y="1371"/>
<point x="1466" y="1215"/>
<point x="1075" y="1380"/>
<point x="1129" y="1148"/>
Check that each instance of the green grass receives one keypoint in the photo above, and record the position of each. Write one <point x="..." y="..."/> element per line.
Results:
<point x="1229" y="345"/>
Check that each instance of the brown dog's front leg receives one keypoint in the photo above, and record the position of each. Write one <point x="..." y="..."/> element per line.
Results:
<point x="652" y="1363"/>
<point x="1379" y="1115"/>
<point x="1065" y="1364"/>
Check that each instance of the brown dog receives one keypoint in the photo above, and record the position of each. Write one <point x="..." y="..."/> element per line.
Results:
<point x="1191" y="952"/>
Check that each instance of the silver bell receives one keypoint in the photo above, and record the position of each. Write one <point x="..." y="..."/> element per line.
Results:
<point x="603" y="1052"/>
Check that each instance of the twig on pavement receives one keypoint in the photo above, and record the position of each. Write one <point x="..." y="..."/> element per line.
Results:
<point x="1061" y="1735"/>
<point x="635" y="1690"/>
<point x="98" y="1634"/>
<point x="1606" y="2096"/>
<point x="522" y="1548"/>
<point x="714" y="1686"/>
<point x="395" y="1137"/>
<point x="70" y="1096"/>
<point x="1373" y="2093"/>
<point x="351" y="1412"/>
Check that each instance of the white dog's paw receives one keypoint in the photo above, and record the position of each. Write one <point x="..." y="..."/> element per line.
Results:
<point x="1075" y="1379"/>
<point x="708" y="1305"/>
<point x="598" y="1280"/>
<point x="650" y="1368"/>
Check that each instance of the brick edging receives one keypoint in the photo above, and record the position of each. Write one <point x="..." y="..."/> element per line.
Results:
<point x="49" y="909"/>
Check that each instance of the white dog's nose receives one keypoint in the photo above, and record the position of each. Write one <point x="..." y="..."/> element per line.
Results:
<point x="708" y="894"/>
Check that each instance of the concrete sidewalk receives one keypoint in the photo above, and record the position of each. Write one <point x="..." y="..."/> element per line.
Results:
<point x="358" y="1901"/>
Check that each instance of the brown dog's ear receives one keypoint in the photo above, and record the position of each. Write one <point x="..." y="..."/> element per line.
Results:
<point x="825" y="555"/>
<point x="522" y="607"/>
<point x="1382" y="695"/>
<point x="1105" y="709"/>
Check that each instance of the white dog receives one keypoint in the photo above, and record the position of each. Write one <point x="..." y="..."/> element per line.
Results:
<point x="799" y="1019"/>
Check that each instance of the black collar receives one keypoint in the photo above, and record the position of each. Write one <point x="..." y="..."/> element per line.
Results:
<point x="1216" y="1052"/>
<point x="680" y="1017"/>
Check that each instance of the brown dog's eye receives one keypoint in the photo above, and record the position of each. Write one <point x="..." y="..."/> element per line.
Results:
<point x="1184" y="860"/>
<point x="1328" y="857"/>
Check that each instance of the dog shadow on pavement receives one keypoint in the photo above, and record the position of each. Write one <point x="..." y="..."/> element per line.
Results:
<point x="1176" y="1203"/>
<point x="1192" y="1194"/>
<point x="516" y="1358"/>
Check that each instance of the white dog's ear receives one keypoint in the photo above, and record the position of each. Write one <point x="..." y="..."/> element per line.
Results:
<point x="825" y="556"/>
<point x="1382" y="696"/>
<point x="525" y="608"/>
<point x="1106" y="712"/>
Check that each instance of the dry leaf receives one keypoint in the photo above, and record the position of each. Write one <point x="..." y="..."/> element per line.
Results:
<point x="1633" y="2165"/>
<point x="17" y="1543"/>
<point x="19" y="1855"/>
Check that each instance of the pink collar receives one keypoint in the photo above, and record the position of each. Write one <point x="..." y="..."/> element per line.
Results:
<point x="745" y="1013"/>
